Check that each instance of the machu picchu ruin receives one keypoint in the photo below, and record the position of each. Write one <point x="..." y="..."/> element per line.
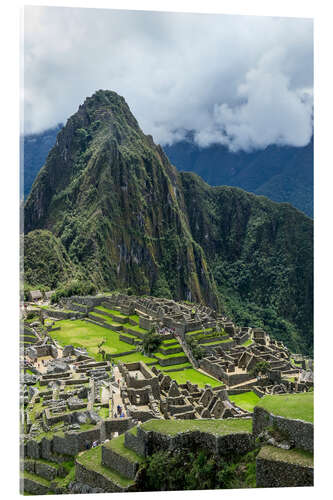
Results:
<point x="99" y="397"/>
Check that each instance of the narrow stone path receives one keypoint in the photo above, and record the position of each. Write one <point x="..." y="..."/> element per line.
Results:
<point x="116" y="392"/>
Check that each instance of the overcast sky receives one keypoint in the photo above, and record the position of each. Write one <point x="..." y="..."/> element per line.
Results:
<point x="245" y="82"/>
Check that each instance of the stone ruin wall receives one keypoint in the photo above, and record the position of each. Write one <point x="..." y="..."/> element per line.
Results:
<point x="151" y="441"/>
<point x="300" y="432"/>
<point x="276" y="474"/>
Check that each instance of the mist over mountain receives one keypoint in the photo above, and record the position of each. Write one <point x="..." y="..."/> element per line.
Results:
<point x="118" y="213"/>
<point x="283" y="173"/>
<point x="35" y="150"/>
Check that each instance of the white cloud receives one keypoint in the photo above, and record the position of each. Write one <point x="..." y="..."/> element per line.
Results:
<point x="241" y="81"/>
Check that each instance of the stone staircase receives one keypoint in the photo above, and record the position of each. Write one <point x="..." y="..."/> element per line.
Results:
<point x="188" y="352"/>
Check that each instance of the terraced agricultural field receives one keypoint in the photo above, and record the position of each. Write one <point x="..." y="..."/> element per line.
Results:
<point x="198" y="332"/>
<point x="110" y="311"/>
<point x="168" y="356"/>
<point x="218" y="427"/>
<point x="246" y="401"/>
<point x="295" y="406"/>
<point x="247" y="343"/>
<point x="92" y="458"/>
<point x="81" y="333"/>
<point x="174" y="367"/>
<point x="193" y="376"/>
<point x="135" y="356"/>
<point x="105" y="319"/>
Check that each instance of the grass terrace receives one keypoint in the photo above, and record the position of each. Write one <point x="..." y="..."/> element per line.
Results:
<point x="37" y="479"/>
<point x="174" y="367"/>
<point x="136" y="328"/>
<point x="193" y="376"/>
<point x="134" y="317"/>
<point x="168" y="356"/>
<point x="293" y="456"/>
<point x="170" y="342"/>
<point x="118" y="446"/>
<point x="136" y="356"/>
<point x="216" y="342"/>
<point x="294" y="406"/>
<point x="103" y="412"/>
<point x="81" y="333"/>
<point x="91" y="459"/>
<point x="111" y="311"/>
<point x="197" y="332"/>
<point x="217" y="427"/>
<point x="105" y="319"/>
<point x="246" y="401"/>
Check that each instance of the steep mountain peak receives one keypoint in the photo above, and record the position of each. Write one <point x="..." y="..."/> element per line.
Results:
<point x="107" y="107"/>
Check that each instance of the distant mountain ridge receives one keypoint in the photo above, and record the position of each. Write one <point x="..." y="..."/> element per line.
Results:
<point x="282" y="173"/>
<point x="35" y="150"/>
<point x="114" y="210"/>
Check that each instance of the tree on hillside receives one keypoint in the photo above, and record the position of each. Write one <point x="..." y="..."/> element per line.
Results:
<point x="261" y="368"/>
<point x="151" y="341"/>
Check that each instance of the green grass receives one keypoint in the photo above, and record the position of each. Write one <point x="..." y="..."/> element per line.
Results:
<point x="215" y="342"/>
<point x="293" y="456"/>
<point x="37" y="408"/>
<point x="117" y="445"/>
<point x="37" y="479"/>
<point x="217" y="427"/>
<point x="91" y="459"/>
<point x="103" y="412"/>
<point x="195" y="332"/>
<point x="247" y="400"/>
<point x="175" y="367"/>
<point x="81" y="333"/>
<point x="105" y="319"/>
<point x="130" y="335"/>
<point x="247" y="343"/>
<point x="166" y="350"/>
<point x="64" y="482"/>
<point x="168" y="356"/>
<point x="29" y="371"/>
<point x="136" y="328"/>
<point x="294" y="406"/>
<point x="110" y="311"/>
<point x="131" y="358"/>
<point x="193" y="376"/>
<point x="170" y="341"/>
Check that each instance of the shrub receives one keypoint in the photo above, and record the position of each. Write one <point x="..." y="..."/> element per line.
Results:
<point x="151" y="342"/>
<point x="196" y="470"/>
<point x="74" y="287"/>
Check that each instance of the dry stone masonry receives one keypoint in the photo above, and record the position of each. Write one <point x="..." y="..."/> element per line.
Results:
<point x="74" y="407"/>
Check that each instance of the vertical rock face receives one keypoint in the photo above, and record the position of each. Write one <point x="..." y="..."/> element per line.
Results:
<point x="116" y="203"/>
<point x="125" y="218"/>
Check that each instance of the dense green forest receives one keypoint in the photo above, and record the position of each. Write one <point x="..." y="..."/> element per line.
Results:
<point x="282" y="173"/>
